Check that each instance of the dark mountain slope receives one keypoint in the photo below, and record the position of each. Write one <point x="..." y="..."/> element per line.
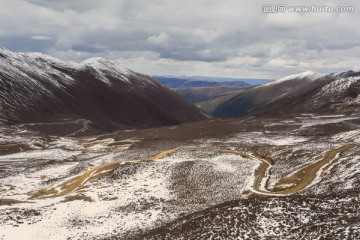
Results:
<point x="302" y="93"/>
<point x="248" y="100"/>
<point x="333" y="93"/>
<point x="96" y="93"/>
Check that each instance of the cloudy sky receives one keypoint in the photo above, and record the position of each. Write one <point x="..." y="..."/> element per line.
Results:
<point x="228" y="38"/>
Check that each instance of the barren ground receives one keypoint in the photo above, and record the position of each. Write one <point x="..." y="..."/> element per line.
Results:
<point x="294" y="178"/>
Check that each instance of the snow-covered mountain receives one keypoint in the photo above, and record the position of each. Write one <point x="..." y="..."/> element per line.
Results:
<point x="305" y="76"/>
<point x="39" y="91"/>
<point x="332" y="93"/>
<point x="307" y="92"/>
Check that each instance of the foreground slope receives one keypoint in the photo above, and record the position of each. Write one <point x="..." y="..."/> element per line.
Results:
<point x="249" y="178"/>
<point x="294" y="217"/>
<point x="93" y="96"/>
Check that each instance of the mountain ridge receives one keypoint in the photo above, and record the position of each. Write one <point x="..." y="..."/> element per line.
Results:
<point x="301" y="93"/>
<point x="37" y="88"/>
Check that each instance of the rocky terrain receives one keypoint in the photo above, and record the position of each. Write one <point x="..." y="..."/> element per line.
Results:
<point x="257" y="178"/>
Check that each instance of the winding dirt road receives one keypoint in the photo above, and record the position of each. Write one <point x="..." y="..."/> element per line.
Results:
<point x="76" y="183"/>
<point x="297" y="180"/>
<point x="293" y="183"/>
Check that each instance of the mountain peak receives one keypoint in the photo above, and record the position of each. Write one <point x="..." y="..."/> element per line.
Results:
<point x="308" y="75"/>
<point x="100" y="63"/>
<point x="94" y="60"/>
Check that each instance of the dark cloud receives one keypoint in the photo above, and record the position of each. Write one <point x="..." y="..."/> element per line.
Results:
<point x="26" y="44"/>
<point x="223" y="38"/>
<point x="75" y="5"/>
<point x="87" y="48"/>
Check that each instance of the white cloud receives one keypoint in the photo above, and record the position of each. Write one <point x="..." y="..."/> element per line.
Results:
<point x="161" y="39"/>
<point x="40" y="38"/>
<point x="223" y="38"/>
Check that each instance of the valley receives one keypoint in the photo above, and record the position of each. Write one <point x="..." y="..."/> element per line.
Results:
<point x="95" y="151"/>
<point x="151" y="183"/>
<point x="179" y="120"/>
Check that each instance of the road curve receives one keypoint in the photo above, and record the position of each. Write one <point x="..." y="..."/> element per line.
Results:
<point x="76" y="183"/>
<point x="297" y="180"/>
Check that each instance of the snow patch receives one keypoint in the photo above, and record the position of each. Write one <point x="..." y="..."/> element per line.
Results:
<point x="310" y="76"/>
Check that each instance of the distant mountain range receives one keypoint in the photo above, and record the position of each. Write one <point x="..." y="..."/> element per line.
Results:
<point x="172" y="82"/>
<point x="94" y="96"/>
<point x="199" y="94"/>
<point x="198" y="89"/>
<point x="200" y="81"/>
<point x="251" y="81"/>
<point x="302" y="93"/>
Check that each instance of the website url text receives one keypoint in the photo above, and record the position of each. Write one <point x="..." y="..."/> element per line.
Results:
<point x="282" y="8"/>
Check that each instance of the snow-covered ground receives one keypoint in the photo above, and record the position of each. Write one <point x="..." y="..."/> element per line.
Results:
<point x="134" y="196"/>
<point x="140" y="194"/>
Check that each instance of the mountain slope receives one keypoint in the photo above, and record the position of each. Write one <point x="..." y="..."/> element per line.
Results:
<point x="302" y="93"/>
<point x="101" y="94"/>
<point x="333" y="93"/>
